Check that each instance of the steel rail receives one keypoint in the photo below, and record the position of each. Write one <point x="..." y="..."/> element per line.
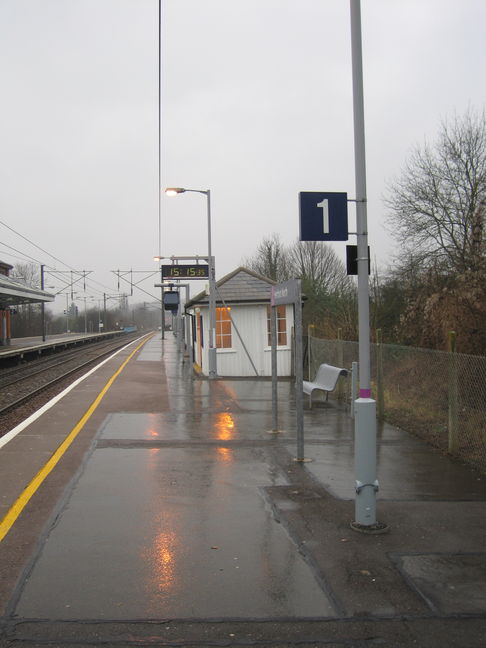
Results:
<point x="48" y="363"/>
<point x="23" y="399"/>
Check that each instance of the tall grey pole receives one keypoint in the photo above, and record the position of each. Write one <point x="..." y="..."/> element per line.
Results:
<point x="274" y="340"/>
<point x="162" y="311"/>
<point x="299" y="374"/>
<point x="212" y="357"/>
<point x="178" y="326"/>
<point x="187" y="328"/>
<point x="162" y="314"/>
<point x="212" y="353"/>
<point x="43" y="307"/>
<point x="365" y="406"/>
<point x="67" y="313"/>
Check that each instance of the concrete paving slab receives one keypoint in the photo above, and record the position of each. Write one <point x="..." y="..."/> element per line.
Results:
<point x="424" y="632"/>
<point x="178" y="533"/>
<point x="152" y="353"/>
<point x="183" y="481"/>
<point x="188" y="426"/>
<point x="406" y="471"/>
<point x="451" y="584"/>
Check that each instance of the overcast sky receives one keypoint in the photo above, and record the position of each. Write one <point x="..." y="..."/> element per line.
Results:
<point x="256" y="106"/>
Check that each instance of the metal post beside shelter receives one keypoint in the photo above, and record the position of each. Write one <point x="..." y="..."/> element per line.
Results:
<point x="290" y="292"/>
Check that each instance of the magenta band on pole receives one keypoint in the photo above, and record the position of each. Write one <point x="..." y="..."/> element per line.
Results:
<point x="365" y="393"/>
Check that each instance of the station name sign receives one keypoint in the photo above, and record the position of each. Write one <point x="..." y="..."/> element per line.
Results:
<point x="287" y="292"/>
<point x="186" y="271"/>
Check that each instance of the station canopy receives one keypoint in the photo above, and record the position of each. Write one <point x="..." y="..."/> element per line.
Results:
<point x="14" y="293"/>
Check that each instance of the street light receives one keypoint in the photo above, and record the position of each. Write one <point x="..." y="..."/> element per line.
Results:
<point x="212" y="358"/>
<point x="162" y="312"/>
<point x="173" y="191"/>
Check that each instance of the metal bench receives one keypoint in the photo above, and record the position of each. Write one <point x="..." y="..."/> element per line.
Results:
<point x="325" y="380"/>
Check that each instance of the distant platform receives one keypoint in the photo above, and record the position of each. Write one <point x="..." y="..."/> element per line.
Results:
<point x="35" y="346"/>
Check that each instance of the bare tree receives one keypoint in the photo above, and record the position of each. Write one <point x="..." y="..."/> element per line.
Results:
<point x="270" y="259"/>
<point x="437" y="206"/>
<point x="318" y="264"/>
<point x="329" y="290"/>
<point x="330" y="293"/>
<point x="26" y="318"/>
<point x="438" y="211"/>
<point x="27" y="273"/>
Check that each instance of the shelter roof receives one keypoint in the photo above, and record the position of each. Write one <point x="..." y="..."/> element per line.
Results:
<point x="240" y="286"/>
<point x="14" y="293"/>
<point x="5" y="268"/>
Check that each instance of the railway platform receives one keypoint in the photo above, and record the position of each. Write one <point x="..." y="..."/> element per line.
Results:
<point x="151" y="507"/>
<point x="20" y="348"/>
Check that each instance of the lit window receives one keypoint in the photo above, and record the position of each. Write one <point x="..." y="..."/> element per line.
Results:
<point x="223" y="328"/>
<point x="281" y="326"/>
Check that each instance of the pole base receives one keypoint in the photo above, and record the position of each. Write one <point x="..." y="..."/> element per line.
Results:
<point x="370" y="529"/>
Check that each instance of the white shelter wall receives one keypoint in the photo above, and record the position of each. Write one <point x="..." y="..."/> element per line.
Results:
<point x="251" y="322"/>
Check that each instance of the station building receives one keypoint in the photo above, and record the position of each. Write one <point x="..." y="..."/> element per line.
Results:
<point x="243" y="324"/>
<point x="13" y="293"/>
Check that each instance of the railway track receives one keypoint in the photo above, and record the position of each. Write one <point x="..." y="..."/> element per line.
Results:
<point x="25" y="388"/>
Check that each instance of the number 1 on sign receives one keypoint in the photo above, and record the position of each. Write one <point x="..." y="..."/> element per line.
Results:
<point x="325" y="215"/>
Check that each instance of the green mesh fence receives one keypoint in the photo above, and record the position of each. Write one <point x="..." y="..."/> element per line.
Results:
<point x="436" y="395"/>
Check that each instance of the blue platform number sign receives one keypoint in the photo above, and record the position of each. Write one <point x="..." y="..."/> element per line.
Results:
<point x="323" y="216"/>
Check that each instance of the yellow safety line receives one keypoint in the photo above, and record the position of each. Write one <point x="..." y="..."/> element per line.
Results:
<point x="23" y="499"/>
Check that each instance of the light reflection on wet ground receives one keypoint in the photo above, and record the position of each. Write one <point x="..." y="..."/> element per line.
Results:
<point x="169" y="518"/>
<point x="176" y="533"/>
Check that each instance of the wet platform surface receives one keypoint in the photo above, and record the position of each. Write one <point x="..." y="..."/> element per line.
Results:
<point x="185" y="507"/>
<point x="179" y="533"/>
<point x="150" y="531"/>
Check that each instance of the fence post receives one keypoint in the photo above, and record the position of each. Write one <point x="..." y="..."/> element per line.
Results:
<point x="340" y="362"/>
<point x="453" y="395"/>
<point x="380" y="394"/>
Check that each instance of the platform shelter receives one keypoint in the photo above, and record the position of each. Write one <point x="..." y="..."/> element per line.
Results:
<point x="14" y="293"/>
<point x="242" y="327"/>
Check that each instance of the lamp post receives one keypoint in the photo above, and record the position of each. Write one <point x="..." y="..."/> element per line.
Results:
<point x="97" y="302"/>
<point x="162" y="312"/>
<point x="212" y="356"/>
<point x="364" y="406"/>
<point x="85" y="313"/>
<point x="43" y="308"/>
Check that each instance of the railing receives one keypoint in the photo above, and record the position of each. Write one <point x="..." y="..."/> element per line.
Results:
<point x="439" y="396"/>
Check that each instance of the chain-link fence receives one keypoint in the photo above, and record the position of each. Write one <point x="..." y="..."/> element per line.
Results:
<point x="436" y="395"/>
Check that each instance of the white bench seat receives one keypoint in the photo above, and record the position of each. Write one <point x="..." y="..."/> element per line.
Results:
<point x="325" y="380"/>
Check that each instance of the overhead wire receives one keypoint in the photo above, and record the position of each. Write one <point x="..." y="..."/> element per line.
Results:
<point x="35" y="245"/>
<point x="25" y="256"/>
<point x="67" y="284"/>
<point x="94" y="281"/>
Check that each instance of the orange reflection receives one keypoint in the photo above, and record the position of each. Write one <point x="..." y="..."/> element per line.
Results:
<point x="225" y="455"/>
<point x="162" y="558"/>
<point x="152" y="426"/>
<point x="224" y="426"/>
<point x="221" y="393"/>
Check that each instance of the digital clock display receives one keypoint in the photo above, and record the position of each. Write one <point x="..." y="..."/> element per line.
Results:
<point x="196" y="271"/>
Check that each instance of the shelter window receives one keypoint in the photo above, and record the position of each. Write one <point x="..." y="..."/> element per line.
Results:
<point x="281" y="325"/>
<point x="223" y="328"/>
